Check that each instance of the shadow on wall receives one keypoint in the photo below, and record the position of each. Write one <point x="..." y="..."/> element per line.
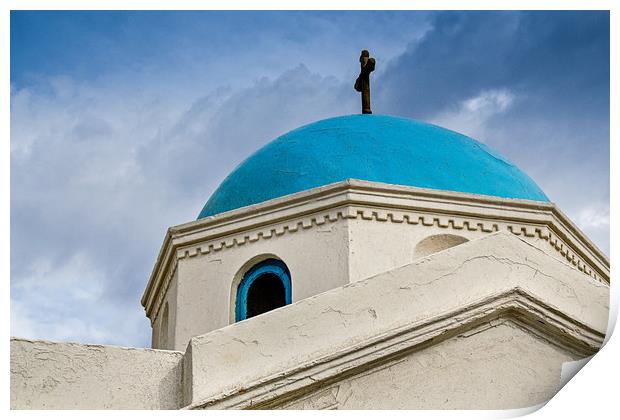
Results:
<point x="436" y="243"/>
<point x="164" y="333"/>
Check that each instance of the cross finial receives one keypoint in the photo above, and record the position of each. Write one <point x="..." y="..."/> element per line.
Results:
<point x="362" y="84"/>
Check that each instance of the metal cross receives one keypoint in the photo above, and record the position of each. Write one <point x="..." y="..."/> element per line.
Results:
<point x="362" y="84"/>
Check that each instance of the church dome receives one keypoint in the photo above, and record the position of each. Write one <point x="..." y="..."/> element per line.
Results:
<point x="376" y="148"/>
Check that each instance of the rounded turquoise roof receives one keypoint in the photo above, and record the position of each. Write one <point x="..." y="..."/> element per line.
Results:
<point x="376" y="148"/>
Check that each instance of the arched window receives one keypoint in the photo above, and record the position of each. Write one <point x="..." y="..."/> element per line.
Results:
<point x="436" y="243"/>
<point x="264" y="287"/>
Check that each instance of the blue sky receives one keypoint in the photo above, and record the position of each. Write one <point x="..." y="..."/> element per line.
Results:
<point x="123" y="124"/>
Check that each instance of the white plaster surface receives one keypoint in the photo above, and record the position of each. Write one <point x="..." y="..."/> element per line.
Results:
<point x="206" y="287"/>
<point x="46" y="375"/>
<point x="493" y="367"/>
<point x="377" y="247"/>
<point x="334" y="235"/>
<point x="165" y="338"/>
<point x="290" y="349"/>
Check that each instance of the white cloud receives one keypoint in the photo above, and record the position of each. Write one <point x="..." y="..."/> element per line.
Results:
<point x="593" y="216"/>
<point x="99" y="174"/>
<point x="489" y="102"/>
<point x="471" y="115"/>
<point x="577" y="181"/>
<point x="64" y="302"/>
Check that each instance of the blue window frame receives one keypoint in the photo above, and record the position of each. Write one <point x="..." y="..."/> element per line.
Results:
<point x="271" y="268"/>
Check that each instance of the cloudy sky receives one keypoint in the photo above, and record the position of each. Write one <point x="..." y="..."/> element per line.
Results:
<point x="123" y="123"/>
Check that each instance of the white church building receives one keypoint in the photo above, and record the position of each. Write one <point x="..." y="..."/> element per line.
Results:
<point x="359" y="262"/>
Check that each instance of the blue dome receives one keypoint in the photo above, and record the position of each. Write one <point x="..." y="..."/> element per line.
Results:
<point x="377" y="148"/>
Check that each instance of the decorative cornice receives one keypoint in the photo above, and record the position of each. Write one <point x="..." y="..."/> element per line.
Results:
<point x="354" y="199"/>
<point x="515" y="305"/>
<point x="427" y="220"/>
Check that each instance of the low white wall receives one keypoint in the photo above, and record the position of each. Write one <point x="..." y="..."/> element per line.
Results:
<point x="497" y="366"/>
<point x="287" y="352"/>
<point x="46" y="375"/>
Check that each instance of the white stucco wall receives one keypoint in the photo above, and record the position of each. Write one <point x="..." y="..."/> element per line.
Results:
<point x="376" y="247"/>
<point x="317" y="259"/>
<point x="359" y="326"/>
<point x="495" y="366"/>
<point x="158" y="341"/>
<point x="334" y="235"/>
<point x="46" y="375"/>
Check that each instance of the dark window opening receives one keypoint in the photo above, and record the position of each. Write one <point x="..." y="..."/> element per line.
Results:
<point x="264" y="287"/>
<point x="266" y="293"/>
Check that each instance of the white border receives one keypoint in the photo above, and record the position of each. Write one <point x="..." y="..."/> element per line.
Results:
<point x="592" y="394"/>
